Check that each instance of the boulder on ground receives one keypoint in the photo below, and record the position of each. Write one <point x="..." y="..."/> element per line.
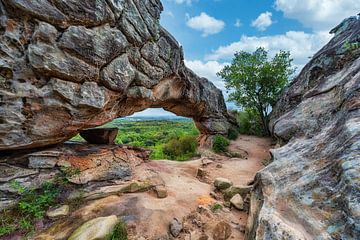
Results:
<point x="222" y="231"/>
<point x="96" y="229"/>
<point x="100" y="135"/>
<point x="222" y="183"/>
<point x="237" y="201"/>
<point x="161" y="192"/>
<point x="233" y="190"/>
<point x="175" y="227"/>
<point x="58" y="212"/>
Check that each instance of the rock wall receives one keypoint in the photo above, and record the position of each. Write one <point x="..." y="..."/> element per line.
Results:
<point x="312" y="188"/>
<point x="68" y="65"/>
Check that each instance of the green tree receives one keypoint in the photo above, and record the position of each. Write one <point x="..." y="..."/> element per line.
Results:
<point x="255" y="81"/>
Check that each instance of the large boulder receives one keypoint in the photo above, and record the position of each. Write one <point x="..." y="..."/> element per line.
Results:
<point x="70" y="65"/>
<point x="312" y="188"/>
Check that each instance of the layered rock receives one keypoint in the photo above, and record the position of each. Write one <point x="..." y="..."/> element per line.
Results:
<point x="79" y="163"/>
<point x="312" y="188"/>
<point x="69" y="65"/>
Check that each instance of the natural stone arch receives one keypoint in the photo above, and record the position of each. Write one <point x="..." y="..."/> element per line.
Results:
<point x="69" y="65"/>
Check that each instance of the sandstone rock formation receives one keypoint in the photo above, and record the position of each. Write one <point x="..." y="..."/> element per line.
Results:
<point x="69" y="65"/>
<point x="312" y="188"/>
<point x="93" y="163"/>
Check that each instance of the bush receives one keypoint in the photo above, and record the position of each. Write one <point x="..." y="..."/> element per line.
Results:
<point x="250" y="123"/>
<point x="220" y="144"/>
<point x="233" y="134"/>
<point x="181" y="148"/>
<point x="120" y="232"/>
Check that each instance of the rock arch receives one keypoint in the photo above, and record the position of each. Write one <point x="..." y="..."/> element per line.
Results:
<point x="69" y="65"/>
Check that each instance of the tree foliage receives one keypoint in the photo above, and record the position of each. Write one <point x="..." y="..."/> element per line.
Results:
<point x="255" y="81"/>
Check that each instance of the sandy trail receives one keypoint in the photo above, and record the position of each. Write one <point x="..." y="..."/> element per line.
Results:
<point x="148" y="216"/>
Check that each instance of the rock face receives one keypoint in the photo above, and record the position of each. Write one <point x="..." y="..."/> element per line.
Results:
<point x="70" y="65"/>
<point x="312" y="188"/>
<point x="100" y="135"/>
<point x="81" y="163"/>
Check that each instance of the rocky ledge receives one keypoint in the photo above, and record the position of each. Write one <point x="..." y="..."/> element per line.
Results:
<point x="312" y="188"/>
<point x="79" y="163"/>
<point x="70" y="65"/>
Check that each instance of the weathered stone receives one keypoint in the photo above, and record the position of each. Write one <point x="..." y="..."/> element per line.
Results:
<point x="311" y="189"/>
<point x="233" y="190"/>
<point x="175" y="227"/>
<point x="237" y="201"/>
<point x="119" y="74"/>
<point x="221" y="231"/>
<point x="222" y="183"/>
<point x="97" y="229"/>
<point x="9" y="172"/>
<point x="90" y="62"/>
<point x="100" y="135"/>
<point x="161" y="192"/>
<point x="59" y="212"/>
<point x="97" y="46"/>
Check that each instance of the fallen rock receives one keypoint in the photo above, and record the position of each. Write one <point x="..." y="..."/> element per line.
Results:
<point x="58" y="212"/>
<point x="201" y="173"/>
<point x="100" y="135"/>
<point x="96" y="229"/>
<point x="233" y="190"/>
<point x="161" y="192"/>
<point x="175" y="227"/>
<point x="222" y="183"/>
<point x="221" y="231"/>
<point x="237" y="201"/>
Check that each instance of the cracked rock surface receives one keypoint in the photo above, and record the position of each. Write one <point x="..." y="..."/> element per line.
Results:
<point x="312" y="188"/>
<point x="79" y="64"/>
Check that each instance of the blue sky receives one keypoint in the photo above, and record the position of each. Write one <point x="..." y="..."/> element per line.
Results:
<point x="211" y="31"/>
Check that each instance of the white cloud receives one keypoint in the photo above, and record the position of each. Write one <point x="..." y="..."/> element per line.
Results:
<point x="208" y="70"/>
<point x="238" y="23"/>
<point x="206" y="24"/>
<point x="188" y="2"/>
<point x="318" y="14"/>
<point x="300" y="44"/>
<point x="263" y="21"/>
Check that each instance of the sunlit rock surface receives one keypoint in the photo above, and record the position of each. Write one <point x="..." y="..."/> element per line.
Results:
<point x="312" y="189"/>
<point x="69" y="65"/>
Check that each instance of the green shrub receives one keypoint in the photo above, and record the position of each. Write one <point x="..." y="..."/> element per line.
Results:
<point x="181" y="148"/>
<point x="233" y="133"/>
<point x="250" y="123"/>
<point x="220" y="144"/>
<point x="120" y="232"/>
<point x="33" y="203"/>
<point x="216" y="206"/>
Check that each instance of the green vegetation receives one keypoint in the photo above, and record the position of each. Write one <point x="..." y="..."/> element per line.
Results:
<point x="233" y="133"/>
<point x="181" y="148"/>
<point x="220" y="144"/>
<point x="120" y="232"/>
<point x="33" y="203"/>
<point x="168" y="139"/>
<point x="216" y="206"/>
<point x="249" y="122"/>
<point x="256" y="83"/>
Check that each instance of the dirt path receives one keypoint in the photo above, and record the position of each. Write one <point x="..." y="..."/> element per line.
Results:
<point x="149" y="216"/>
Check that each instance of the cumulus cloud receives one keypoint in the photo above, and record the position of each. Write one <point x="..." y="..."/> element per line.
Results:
<point x="318" y="14"/>
<point x="208" y="70"/>
<point x="208" y="25"/>
<point x="300" y="44"/>
<point x="263" y="21"/>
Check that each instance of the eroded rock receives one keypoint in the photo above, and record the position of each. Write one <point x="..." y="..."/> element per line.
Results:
<point x="96" y="229"/>
<point x="90" y="62"/>
<point x="100" y="135"/>
<point x="311" y="189"/>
